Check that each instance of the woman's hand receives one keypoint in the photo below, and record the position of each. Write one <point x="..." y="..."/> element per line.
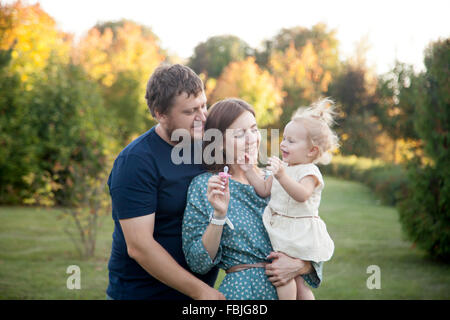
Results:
<point x="284" y="268"/>
<point x="276" y="166"/>
<point x="218" y="195"/>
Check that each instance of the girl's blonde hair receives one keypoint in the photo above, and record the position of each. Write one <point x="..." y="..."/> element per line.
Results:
<point x="318" y="119"/>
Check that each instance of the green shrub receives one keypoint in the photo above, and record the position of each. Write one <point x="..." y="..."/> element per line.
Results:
<point x="425" y="212"/>
<point x="388" y="181"/>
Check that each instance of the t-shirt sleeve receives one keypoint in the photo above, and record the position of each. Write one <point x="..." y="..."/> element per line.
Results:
<point x="133" y="187"/>
<point x="311" y="170"/>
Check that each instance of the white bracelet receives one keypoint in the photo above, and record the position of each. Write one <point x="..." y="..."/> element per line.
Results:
<point x="216" y="221"/>
<point x="221" y="222"/>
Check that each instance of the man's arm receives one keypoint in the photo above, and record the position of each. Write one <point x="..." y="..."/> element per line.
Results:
<point x="284" y="268"/>
<point x="143" y="248"/>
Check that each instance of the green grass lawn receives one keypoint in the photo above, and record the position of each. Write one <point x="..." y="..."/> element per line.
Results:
<point x="35" y="253"/>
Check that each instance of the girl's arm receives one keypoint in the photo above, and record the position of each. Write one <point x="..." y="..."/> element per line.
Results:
<point x="298" y="190"/>
<point x="262" y="187"/>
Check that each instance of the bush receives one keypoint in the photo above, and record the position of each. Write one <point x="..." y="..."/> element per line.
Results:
<point x="388" y="181"/>
<point x="425" y="212"/>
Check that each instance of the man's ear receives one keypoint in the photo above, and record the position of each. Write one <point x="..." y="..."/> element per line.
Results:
<point x="160" y="117"/>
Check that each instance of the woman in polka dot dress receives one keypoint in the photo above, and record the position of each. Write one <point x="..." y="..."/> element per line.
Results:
<point x="222" y="224"/>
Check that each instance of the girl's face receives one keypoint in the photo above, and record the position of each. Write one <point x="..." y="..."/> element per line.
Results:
<point x="242" y="139"/>
<point x="296" y="147"/>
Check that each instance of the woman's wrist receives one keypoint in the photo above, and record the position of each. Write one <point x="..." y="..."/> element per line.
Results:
<point x="217" y="214"/>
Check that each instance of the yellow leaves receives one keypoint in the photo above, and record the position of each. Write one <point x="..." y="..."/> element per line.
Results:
<point x="210" y="85"/>
<point x="394" y="111"/>
<point x="33" y="35"/>
<point x="344" y="136"/>
<point x="301" y="69"/>
<point x="43" y="195"/>
<point x="105" y="54"/>
<point x="29" y="178"/>
<point x="245" y="80"/>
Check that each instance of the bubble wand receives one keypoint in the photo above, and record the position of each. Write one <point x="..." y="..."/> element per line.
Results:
<point x="225" y="173"/>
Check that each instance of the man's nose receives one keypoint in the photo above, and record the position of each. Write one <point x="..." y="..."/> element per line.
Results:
<point x="202" y="116"/>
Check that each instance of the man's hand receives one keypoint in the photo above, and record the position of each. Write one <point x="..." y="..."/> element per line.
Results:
<point x="284" y="268"/>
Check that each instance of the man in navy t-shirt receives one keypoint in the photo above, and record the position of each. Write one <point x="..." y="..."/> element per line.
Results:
<point x="148" y="193"/>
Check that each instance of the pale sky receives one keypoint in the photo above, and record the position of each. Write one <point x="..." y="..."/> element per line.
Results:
<point x="395" y="28"/>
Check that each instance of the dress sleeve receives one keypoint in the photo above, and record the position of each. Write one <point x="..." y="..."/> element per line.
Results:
<point x="195" y="221"/>
<point x="311" y="170"/>
<point x="314" y="278"/>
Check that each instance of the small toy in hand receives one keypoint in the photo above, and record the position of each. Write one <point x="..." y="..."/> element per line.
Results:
<point x="225" y="173"/>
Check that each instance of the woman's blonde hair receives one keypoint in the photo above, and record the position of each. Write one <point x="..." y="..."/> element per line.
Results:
<point x="318" y="119"/>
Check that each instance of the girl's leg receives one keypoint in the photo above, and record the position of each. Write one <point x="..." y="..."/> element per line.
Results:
<point x="303" y="291"/>
<point x="288" y="291"/>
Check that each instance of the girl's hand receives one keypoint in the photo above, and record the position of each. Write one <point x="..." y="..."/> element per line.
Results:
<point x="218" y="195"/>
<point x="276" y="166"/>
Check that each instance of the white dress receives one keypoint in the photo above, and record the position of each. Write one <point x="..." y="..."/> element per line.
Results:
<point x="295" y="228"/>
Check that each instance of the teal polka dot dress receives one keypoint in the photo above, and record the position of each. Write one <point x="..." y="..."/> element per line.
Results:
<point x="248" y="243"/>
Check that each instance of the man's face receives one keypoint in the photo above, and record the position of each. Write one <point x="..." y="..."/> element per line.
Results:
<point x="187" y="113"/>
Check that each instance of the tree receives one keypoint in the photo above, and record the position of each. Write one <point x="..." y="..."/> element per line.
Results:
<point x="34" y="38"/>
<point x="213" y="55"/>
<point x="305" y="60"/>
<point x="425" y="212"/>
<point x="70" y="125"/>
<point x="247" y="81"/>
<point x="29" y="42"/>
<point x="15" y="134"/>
<point x="354" y="93"/>
<point x="397" y="97"/>
<point x="324" y="42"/>
<point x="303" y="78"/>
<point x="121" y="56"/>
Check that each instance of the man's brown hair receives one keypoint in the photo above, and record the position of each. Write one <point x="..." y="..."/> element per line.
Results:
<point x="167" y="82"/>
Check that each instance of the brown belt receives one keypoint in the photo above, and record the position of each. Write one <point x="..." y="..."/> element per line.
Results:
<point x="241" y="267"/>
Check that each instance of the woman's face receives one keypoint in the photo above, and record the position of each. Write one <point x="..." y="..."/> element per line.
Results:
<point x="242" y="140"/>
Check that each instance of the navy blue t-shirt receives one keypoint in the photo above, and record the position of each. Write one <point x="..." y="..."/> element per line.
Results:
<point x="145" y="180"/>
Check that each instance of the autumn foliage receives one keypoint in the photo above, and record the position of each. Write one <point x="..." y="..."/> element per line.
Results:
<point x="68" y="107"/>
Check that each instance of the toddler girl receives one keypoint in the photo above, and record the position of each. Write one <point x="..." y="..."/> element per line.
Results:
<point x="291" y="217"/>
